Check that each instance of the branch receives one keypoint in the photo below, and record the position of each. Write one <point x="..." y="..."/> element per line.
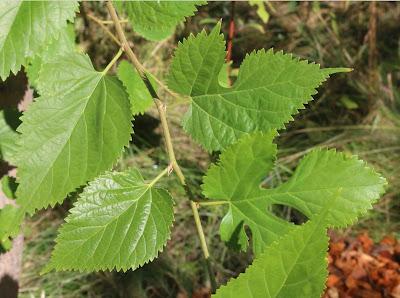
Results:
<point x="167" y="136"/>
<point x="116" y="40"/>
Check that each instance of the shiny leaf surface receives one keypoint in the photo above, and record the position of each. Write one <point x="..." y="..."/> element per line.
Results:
<point x="119" y="222"/>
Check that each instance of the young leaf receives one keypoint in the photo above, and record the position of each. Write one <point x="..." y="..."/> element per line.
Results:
<point x="139" y="95"/>
<point x="235" y="181"/>
<point x="294" y="266"/>
<point x="62" y="44"/>
<point x="73" y="132"/>
<point x="118" y="222"/>
<point x="25" y="28"/>
<point x="271" y="87"/>
<point x="156" y="20"/>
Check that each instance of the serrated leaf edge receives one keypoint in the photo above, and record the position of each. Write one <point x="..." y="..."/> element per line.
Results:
<point x="58" y="268"/>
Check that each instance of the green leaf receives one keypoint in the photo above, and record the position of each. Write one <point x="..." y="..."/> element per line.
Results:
<point x="11" y="218"/>
<point x="156" y="20"/>
<point x="76" y="130"/>
<point x="270" y="88"/>
<point x="223" y="76"/>
<point x="319" y="175"/>
<point x="235" y="181"/>
<point x="294" y="266"/>
<point x="119" y="222"/>
<point x="8" y="136"/>
<point x="26" y="26"/>
<point x="9" y="186"/>
<point x="139" y="95"/>
<point x="62" y="44"/>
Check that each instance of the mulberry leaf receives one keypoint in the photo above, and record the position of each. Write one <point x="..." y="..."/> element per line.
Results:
<point x="26" y="26"/>
<point x="76" y="130"/>
<point x="270" y="89"/>
<point x="156" y="20"/>
<point x="235" y="181"/>
<point x="119" y="222"/>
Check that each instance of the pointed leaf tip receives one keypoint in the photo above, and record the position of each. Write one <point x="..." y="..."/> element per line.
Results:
<point x="333" y="70"/>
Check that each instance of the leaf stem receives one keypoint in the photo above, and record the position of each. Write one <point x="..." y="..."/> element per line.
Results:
<point x="111" y="22"/>
<point x="211" y="203"/>
<point x="159" y="176"/>
<point x="116" y="40"/>
<point x="162" y="85"/>
<point x="167" y="136"/>
<point x="112" y="62"/>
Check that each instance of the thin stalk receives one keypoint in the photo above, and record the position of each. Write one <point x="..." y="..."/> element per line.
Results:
<point x="163" y="86"/>
<point x="159" y="176"/>
<point x="111" y="22"/>
<point x="231" y="34"/>
<point x="167" y="136"/>
<point x="112" y="62"/>
<point x="211" y="203"/>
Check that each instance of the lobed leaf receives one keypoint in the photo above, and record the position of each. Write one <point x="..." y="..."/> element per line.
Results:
<point x="270" y="88"/>
<point x="139" y="95"/>
<point x="316" y="179"/>
<point x="76" y="130"/>
<point x="156" y="20"/>
<point x="235" y="180"/>
<point x="119" y="221"/>
<point x="26" y="26"/>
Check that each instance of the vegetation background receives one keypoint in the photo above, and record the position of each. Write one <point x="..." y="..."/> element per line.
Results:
<point x="358" y="113"/>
